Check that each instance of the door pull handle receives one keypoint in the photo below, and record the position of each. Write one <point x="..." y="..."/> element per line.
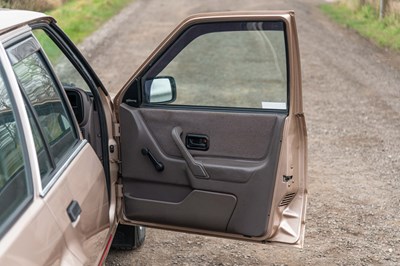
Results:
<point x="195" y="167"/>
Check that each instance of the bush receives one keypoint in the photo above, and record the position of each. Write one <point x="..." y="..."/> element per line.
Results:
<point x="36" y="5"/>
<point x="365" y="20"/>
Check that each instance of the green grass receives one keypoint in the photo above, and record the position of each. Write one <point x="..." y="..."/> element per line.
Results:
<point x="80" y="18"/>
<point x="384" y="32"/>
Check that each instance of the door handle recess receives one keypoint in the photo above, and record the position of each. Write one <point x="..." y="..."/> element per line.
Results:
<point x="195" y="167"/>
<point x="73" y="211"/>
<point x="197" y="142"/>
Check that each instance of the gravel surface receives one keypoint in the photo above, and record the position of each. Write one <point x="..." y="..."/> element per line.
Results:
<point x="351" y="98"/>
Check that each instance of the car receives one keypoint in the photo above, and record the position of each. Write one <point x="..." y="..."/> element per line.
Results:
<point x="208" y="136"/>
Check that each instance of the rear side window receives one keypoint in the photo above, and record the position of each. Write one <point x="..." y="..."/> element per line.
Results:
<point x="54" y="133"/>
<point x="15" y="185"/>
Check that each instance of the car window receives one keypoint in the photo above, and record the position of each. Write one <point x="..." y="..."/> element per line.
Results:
<point x="238" y="65"/>
<point x="15" y="187"/>
<point x="51" y="123"/>
<point x="63" y="67"/>
<point x="44" y="158"/>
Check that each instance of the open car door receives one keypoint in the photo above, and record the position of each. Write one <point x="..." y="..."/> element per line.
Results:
<point x="212" y="131"/>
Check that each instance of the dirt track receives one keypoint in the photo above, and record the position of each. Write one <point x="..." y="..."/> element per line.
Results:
<point x="352" y="106"/>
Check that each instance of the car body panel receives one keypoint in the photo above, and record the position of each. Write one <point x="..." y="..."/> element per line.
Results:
<point x="36" y="227"/>
<point x="91" y="195"/>
<point x="151" y="127"/>
<point x="13" y="19"/>
<point x="45" y="231"/>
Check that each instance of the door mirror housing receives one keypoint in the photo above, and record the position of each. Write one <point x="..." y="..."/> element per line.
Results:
<point x="160" y="90"/>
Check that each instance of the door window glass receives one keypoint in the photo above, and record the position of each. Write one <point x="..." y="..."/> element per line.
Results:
<point x="15" y="188"/>
<point x="228" y="65"/>
<point x="44" y="158"/>
<point x="54" y="134"/>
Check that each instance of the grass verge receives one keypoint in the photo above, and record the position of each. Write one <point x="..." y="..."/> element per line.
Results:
<point x="80" y="18"/>
<point x="384" y="32"/>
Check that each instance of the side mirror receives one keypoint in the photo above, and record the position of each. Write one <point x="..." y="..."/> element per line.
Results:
<point x="160" y="90"/>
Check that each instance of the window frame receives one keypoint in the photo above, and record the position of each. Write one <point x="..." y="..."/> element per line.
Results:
<point x="25" y="203"/>
<point x="72" y="53"/>
<point x="72" y="152"/>
<point x="179" y="44"/>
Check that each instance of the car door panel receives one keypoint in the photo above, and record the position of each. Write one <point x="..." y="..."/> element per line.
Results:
<point x="212" y="133"/>
<point x="233" y="135"/>
<point x="199" y="209"/>
<point x="34" y="229"/>
<point x="242" y="157"/>
<point x="40" y="238"/>
<point x="82" y="181"/>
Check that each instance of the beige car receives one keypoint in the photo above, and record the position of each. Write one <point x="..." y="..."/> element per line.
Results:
<point x="207" y="137"/>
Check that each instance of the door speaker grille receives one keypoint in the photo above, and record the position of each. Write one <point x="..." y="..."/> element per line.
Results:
<point x="287" y="199"/>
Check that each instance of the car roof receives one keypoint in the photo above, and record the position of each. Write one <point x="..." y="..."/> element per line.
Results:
<point x="11" y="19"/>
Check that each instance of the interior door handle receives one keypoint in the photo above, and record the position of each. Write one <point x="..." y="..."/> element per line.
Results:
<point x="195" y="167"/>
<point x="197" y="142"/>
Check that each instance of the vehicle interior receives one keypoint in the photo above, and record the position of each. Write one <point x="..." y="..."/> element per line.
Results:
<point x="206" y="156"/>
<point x="86" y="114"/>
<point x="227" y="188"/>
<point x="77" y="89"/>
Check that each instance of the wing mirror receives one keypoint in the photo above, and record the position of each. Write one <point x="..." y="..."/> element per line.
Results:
<point x="160" y="90"/>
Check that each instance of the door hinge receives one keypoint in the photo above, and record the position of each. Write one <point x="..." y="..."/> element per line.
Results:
<point x="119" y="192"/>
<point x="117" y="129"/>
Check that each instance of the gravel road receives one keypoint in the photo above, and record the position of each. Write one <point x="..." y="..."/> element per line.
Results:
<point x="352" y="106"/>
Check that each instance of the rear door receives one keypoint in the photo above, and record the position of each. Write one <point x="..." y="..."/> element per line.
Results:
<point x="212" y="131"/>
<point x="66" y="218"/>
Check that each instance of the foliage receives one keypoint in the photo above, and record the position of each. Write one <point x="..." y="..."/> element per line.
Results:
<point x="365" y="20"/>
<point x="80" y="18"/>
<point x="35" y="5"/>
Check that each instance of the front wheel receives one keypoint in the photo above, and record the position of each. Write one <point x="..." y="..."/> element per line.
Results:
<point x="129" y="237"/>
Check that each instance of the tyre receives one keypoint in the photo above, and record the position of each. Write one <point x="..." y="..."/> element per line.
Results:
<point x="129" y="237"/>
